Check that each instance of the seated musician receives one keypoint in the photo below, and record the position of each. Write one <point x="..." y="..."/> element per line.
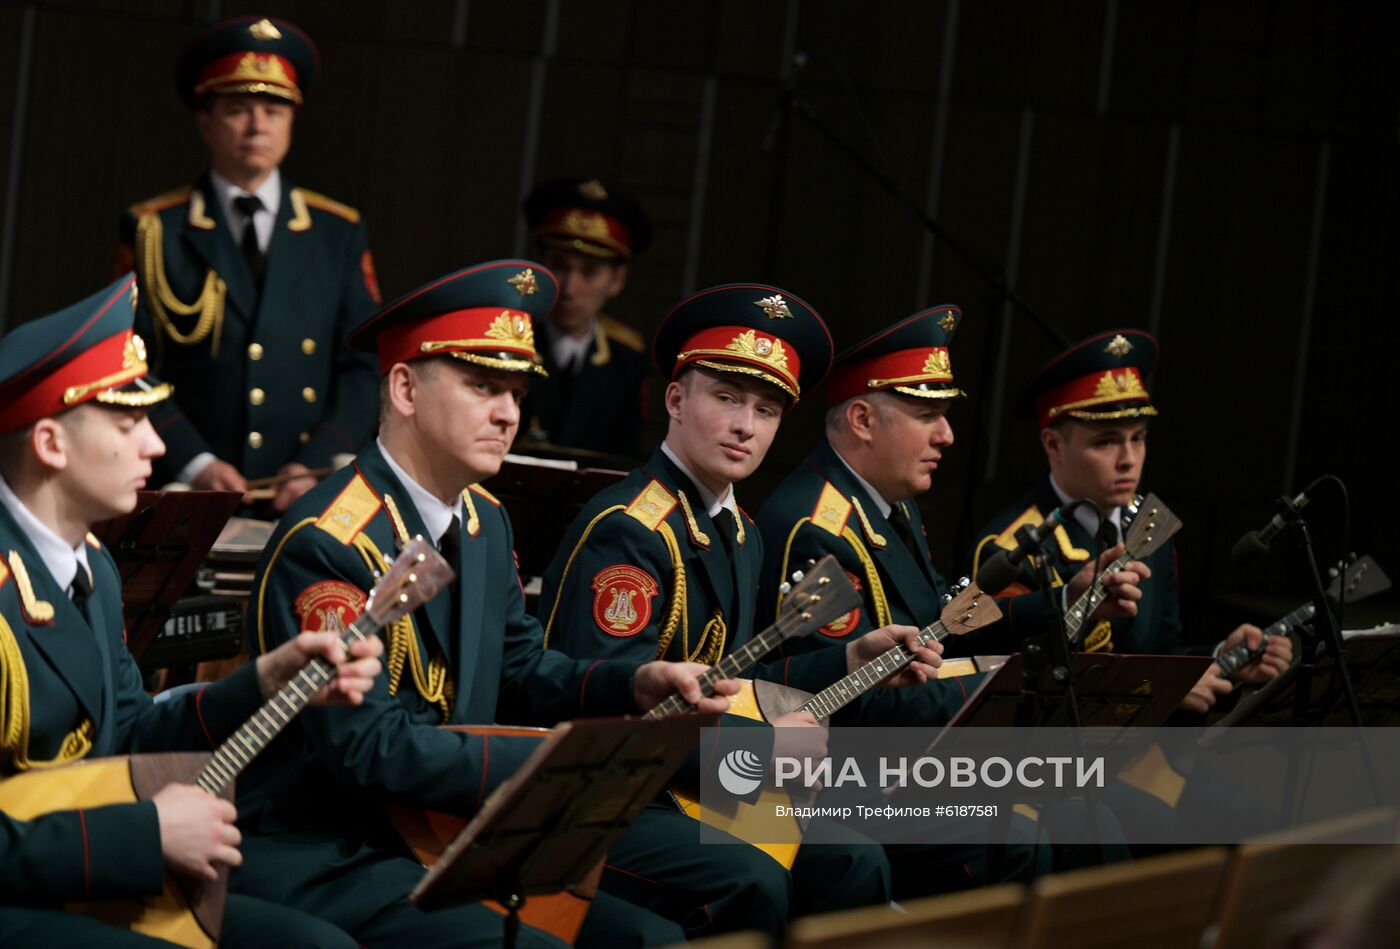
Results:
<point x="75" y="446"/>
<point x="665" y="564"/>
<point x="455" y="358"/>
<point x="1092" y="405"/>
<point x="887" y="429"/>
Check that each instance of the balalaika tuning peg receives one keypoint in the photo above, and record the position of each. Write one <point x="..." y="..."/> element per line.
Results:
<point x="962" y="584"/>
<point x="785" y="589"/>
<point x="945" y="599"/>
<point x="797" y="576"/>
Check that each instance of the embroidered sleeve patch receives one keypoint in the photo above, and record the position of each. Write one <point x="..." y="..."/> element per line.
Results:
<point x="371" y="278"/>
<point x="622" y="597"/>
<point x="316" y="603"/>
<point x="846" y="622"/>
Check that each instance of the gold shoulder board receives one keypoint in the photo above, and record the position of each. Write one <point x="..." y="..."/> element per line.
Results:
<point x="652" y="506"/>
<point x="622" y="333"/>
<point x="160" y="202"/>
<point x="832" y="510"/>
<point x="322" y="203"/>
<point x="350" y="511"/>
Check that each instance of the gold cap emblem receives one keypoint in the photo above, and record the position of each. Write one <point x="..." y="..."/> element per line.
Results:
<point x="1118" y="346"/>
<point x="774" y="307"/>
<point x="749" y="343"/>
<point x="134" y="295"/>
<point x="1124" y="385"/>
<point x="525" y="282"/>
<point x="513" y="328"/>
<point x="938" y="363"/>
<point x="948" y="322"/>
<point x="264" y="30"/>
<point x="593" y="190"/>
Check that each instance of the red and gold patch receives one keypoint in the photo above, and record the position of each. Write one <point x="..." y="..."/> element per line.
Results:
<point x="316" y="603"/>
<point x="622" y="599"/>
<point x="371" y="279"/>
<point x="846" y="622"/>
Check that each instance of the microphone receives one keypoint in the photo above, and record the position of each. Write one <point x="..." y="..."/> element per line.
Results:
<point x="786" y="101"/>
<point x="1255" y="544"/>
<point x="1001" y="570"/>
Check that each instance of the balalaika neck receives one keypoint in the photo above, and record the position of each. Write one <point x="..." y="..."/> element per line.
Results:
<point x="243" y="746"/>
<point x="1090" y="599"/>
<point x="1231" y="660"/>
<point x="735" y="663"/>
<point x="847" y="689"/>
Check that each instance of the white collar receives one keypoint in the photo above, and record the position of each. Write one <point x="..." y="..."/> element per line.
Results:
<point x="437" y="517"/>
<point x="61" y="560"/>
<point x="568" y="349"/>
<point x="1086" y="517"/>
<point x="712" y="502"/>
<point x="269" y="193"/>
<point x="884" y="506"/>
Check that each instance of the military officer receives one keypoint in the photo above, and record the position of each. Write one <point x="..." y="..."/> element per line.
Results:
<point x="854" y="497"/>
<point x="587" y="232"/>
<point x="1092" y="405"/>
<point x="455" y="359"/>
<point x="249" y="283"/>
<point x="666" y="564"/>
<point x="75" y="446"/>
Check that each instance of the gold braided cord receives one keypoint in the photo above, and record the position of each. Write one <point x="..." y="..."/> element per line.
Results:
<point x="787" y="555"/>
<point x="675" y="608"/>
<point x="150" y="257"/>
<point x="262" y="587"/>
<point x="869" y="528"/>
<point x="1088" y="416"/>
<point x="872" y="578"/>
<point x="396" y="519"/>
<point x="710" y="647"/>
<point x="559" y="591"/>
<point x="14" y="713"/>
<point x="433" y="682"/>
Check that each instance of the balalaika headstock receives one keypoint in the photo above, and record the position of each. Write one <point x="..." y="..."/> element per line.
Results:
<point x="414" y="578"/>
<point x="968" y="610"/>
<point x="1152" y="525"/>
<point x="816" y="596"/>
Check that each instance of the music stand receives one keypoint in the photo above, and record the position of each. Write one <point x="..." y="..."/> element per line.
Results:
<point x="547" y="826"/>
<point x="1114" y="690"/>
<point x="158" y="547"/>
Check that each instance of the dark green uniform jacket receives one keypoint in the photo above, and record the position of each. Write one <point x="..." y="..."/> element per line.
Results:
<point x="1155" y="629"/>
<point x="600" y="407"/>
<point x="268" y="380"/>
<point x="819" y="509"/>
<point x="72" y="691"/>
<point x="470" y="656"/>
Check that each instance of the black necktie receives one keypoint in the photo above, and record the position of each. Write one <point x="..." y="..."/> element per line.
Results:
<point x="450" y="544"/>
<point x="724" y="523"/>
<point x="82" y="587"/>
<point x="251" y="204"/>
<point x="564" y="377"/>
<point x="900" y="522"/>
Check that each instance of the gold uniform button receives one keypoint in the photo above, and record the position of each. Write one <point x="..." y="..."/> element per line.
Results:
<point x="256" y="396"/>
<point x="255" y="439"/>
<point x="309" y="394"/>
<point x="308" y="346"/>
<point x="304" y="437"/>
<point x="255" y="351"/>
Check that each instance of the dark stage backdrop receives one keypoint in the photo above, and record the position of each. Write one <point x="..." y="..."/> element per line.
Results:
<point x="1223" y="174"/>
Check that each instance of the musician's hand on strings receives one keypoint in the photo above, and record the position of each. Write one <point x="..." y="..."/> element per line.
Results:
<point x="927" y="657"/>
<point x="1206" y="691"/>
<point x="1278" y="654"/>
<point x="1122" y="589"/>
<point x="354" y="676"/>
<point x="657" y="681"/>
<point x="196" y="831"/>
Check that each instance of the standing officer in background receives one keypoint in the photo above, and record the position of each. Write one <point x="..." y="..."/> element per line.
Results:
<point x="249" y="285"/>
<point x="587" y="232"/>
<point x="75" y="447"/>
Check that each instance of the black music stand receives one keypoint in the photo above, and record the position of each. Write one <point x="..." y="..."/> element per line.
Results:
<point x="158" y="548"/>
<point x="547" y="826"/>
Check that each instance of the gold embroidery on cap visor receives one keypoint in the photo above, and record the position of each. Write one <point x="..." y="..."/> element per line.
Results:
<point x="255" y="74"/>
<point x="937" y="368"/>
<point x="1121" y="387"/>
<point x="133" y="368"/>
<point x="510" y="328"/>
<point x="751" y="347"/>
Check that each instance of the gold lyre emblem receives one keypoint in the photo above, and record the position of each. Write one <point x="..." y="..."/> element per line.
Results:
<point x="525" y="282"/>
<point x="948" y="322"/>
<point x="593" y="190"/>
<point x="621" y="612"/>
<point x="1118" y="346"/>
<point x="264" y="30"/>
<point x="774" y="307"/>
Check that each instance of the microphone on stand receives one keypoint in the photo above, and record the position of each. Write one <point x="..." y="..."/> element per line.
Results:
<point x="1004" y="567"/>
<point x="1255" y="544"/>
